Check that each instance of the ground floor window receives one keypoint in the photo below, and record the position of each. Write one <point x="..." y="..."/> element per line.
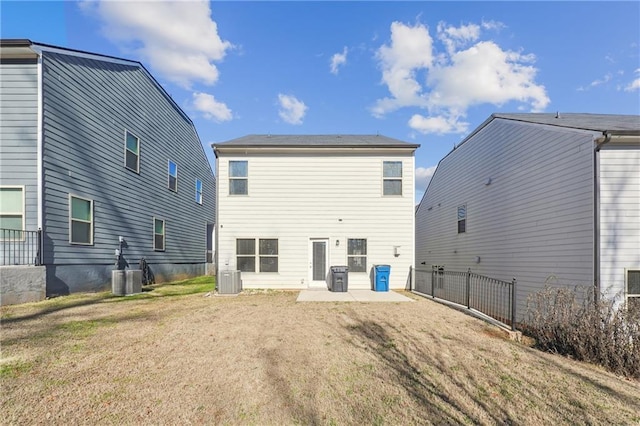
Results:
<point x="357" y="254"/>
<point x="158" y="234"/>
<point x="266" y="254"/>
<point x="633" y="288"/>
<point x="11" y="211"/>
<point x="80" y="220"/>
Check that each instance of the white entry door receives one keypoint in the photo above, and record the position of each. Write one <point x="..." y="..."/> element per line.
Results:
<point x="318" y="262"/>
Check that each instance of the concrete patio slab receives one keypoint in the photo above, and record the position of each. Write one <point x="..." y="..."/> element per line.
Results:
<point x="322" y="295"/>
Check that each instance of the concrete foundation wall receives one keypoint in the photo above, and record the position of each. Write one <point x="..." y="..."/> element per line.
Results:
<point x="22" y="284"/>
<point x="67" y="279"/>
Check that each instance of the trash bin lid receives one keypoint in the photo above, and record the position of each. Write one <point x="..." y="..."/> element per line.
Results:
<point x="382" y="268"/>
<point x="339" y="269"/>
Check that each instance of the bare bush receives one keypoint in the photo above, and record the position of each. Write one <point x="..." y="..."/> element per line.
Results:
<point x="571" y="322"/>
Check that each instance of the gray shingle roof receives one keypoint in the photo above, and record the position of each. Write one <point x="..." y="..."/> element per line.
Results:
<point x="328" y="141"/>
<point x="615" y="124"/>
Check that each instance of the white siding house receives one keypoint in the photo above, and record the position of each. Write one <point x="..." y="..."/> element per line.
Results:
<point x="545" y="198"/>
<point x="290" y="207"/>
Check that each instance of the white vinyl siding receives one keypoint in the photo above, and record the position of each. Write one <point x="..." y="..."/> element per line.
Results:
<point x="530" y="191"/>
<point x="619" y="215"/>
<point x="299" y="197"/>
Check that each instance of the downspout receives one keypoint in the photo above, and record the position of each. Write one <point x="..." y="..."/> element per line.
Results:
<point x="600" y="142"/>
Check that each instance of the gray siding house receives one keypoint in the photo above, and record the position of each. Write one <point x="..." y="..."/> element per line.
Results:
<point x="545" y="198"/>
<point x="94" y="149"/>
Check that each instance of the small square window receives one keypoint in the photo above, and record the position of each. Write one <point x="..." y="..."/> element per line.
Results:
<point x="80" y="220"/>
<point x="238" y="177"/>
<point x="198" y="191"/>
<point x="392" y="178"/>
<point x="132" y="152"/>
<point x="158" y="235"/>
<point x="173" y="176"/>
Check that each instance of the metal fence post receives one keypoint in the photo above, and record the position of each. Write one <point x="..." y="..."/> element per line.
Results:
<point x="513" y="304"/>
<point x="433" y="281"/>
<point x="39" y="255"/>
<point x="468" y="287"/>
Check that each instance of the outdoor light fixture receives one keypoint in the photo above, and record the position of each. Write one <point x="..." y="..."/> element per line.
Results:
<point x="337" y="243"/>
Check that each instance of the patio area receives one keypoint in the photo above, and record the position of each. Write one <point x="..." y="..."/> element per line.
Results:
<point x="324" y="295"/>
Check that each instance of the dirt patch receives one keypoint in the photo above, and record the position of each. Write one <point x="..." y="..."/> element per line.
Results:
<point x="261" y="358"/>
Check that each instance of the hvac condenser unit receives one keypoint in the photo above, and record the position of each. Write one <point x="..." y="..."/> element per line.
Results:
<point x="229" y="282"/>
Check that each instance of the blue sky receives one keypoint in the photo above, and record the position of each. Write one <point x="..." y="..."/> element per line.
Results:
<point x="422" y="72"/>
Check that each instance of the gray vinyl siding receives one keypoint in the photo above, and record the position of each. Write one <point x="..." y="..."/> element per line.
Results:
<point x="88" y="106"/>
<point x="533" y="221"/>
<point x="619" y="216"/>
<point x="19" y="133"/>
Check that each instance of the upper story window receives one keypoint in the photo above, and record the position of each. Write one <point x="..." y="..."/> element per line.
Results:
<point x="198" y="191"/>
<point x="158" y="234"/>
<point x="173" y="176"/>
<point x="80" y="220"/>
<point x="132" y="152"/>
<point x="238" y="177"/>
<point x="357" y="254"/>
<point x="462" y="219"/>
<point x="11" y="211"/>
<point x="392" y="177"/>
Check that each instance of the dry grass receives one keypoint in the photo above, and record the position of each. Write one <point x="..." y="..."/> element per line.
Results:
<point x="261" y="358"/>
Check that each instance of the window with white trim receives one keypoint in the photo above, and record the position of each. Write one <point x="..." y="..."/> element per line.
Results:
<point x="80" y="220"/>
<point x="268" y="249"/>
<point x="632" y="290"/>
<point x="158" y="234"/>
<point x="198" y="191"/>
<point x="132" y="152"/>
<point x="246" y="254"/>
<point x="238" y="178"/>
<point x="11" y="211"/>
<point x="462" y="219"/>
<point x="357" y="254"/>
<point x="392" y="178"/>
<point x="172" y="176"/>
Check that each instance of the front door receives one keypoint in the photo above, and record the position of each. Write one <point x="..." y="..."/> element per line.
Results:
<point x="318" y="262"/>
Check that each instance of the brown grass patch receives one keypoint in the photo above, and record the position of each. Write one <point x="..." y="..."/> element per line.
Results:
<point x="261" y="358"/>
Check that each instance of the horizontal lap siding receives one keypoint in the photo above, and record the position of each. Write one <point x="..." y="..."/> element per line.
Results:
<point x="619" y="215"/>
<point x="88" y="105"/>
<point x="298" y="197"/>
<point x="19" y="133"/>
<point x="533" y="221"/>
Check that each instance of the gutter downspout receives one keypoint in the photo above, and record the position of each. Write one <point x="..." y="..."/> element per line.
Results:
<point x="600" y="142"/>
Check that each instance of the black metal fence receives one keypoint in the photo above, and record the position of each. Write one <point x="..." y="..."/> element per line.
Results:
<point x="492" y="297"/>
<point x="20" y="247"/>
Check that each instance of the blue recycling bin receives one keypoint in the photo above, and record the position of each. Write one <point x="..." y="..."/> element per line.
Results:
<point x="381" y="277"/>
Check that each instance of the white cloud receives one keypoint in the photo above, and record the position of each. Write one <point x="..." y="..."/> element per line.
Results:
<point x="292" y="110"/>
<point x="596" y="83"/>
<point x="634" y="85"/>
<point x="468" y="71"/>
<point x="211" y="108"/>
<point x="423" y="177"/>
<point x="338" y="59"/>
<point x="178" y="39"/>
<point x="438" y="124"/>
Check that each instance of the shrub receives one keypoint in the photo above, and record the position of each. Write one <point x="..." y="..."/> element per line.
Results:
<point x="571" y="322"/>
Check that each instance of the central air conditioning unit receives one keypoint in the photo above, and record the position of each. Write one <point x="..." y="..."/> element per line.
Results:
<point x="229" y="282"/>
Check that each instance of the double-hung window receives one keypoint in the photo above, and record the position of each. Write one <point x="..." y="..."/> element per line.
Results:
<point x="392" y="178"/>
<point x="132" y="152"/>
<point x="238" y="177"/>
<point x="172" y="176"/>
<point x="633" y="288"/>
<point x="268" y="255"/>
<point x="11" y="211"/>
<point x="80" y="220"/>
<point x="158" y="234"/>
<point x="357" y="254"/>
<point x="462" y="219"/>
<point x="198" y="191"/>
<point x="246" y="254"/>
